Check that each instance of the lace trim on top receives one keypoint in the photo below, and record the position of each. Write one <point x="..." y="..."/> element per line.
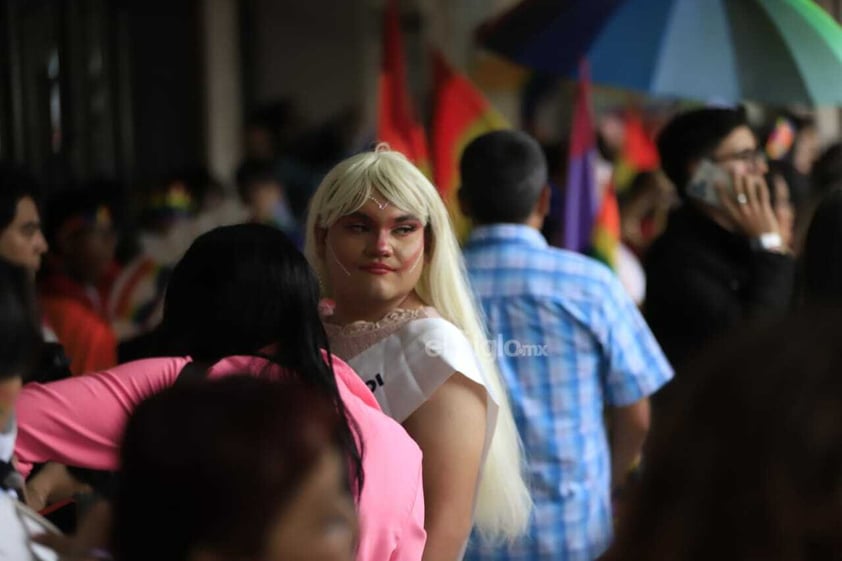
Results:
<point x="347" y="341"/>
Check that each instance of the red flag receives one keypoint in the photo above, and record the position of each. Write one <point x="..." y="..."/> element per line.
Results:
<point x="397" y="123"/>
<point x="638" y="154"/>
<point x="461" y="113"/>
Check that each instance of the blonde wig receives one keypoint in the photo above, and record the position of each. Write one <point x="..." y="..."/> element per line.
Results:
<point x="503" y="501"/>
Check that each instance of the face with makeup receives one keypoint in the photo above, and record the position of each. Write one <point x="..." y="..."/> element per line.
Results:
<point x="373" y="257"/>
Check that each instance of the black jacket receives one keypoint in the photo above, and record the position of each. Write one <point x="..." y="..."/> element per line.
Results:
<point x="702" y="280"/>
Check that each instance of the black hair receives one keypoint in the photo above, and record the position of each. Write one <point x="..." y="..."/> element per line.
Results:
<point x="639" y="186"/>
<point x="16" y="183"/>
<point x="788" y="173"/>
<point x="72" y="203"/>
<point x="821" y="258"/>
<point x="240" y="290"/>
<point x="20" y="333"/>
<point x="693" y="135"/>
<point x="251" y="172"/>
<point x="213" y="465"/>
<point x="827" y="171"/>
<point x="502" y="173"/>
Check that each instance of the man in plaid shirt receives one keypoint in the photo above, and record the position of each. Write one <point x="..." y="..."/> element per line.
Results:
<point x="569" y="342"/>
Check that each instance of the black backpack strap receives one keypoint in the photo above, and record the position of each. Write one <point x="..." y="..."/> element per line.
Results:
<point x="191" y="373"/>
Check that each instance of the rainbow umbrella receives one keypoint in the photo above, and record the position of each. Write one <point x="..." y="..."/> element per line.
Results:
<point x="775" y="51"/>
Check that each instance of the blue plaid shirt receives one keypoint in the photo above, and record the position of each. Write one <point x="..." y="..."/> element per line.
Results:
<point x="569" y="341"/>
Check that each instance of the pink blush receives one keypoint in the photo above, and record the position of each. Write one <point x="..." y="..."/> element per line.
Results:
<point x="412" y="262"/>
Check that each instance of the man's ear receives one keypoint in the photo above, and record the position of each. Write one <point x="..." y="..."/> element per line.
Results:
<point x="321" y="239"/>
<point x="464" y="206"/>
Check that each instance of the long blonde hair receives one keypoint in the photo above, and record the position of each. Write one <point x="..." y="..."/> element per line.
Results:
<point x="503" y="501"/>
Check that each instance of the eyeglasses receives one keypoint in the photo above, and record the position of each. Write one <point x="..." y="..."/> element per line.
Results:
<point x="749" y="156"/>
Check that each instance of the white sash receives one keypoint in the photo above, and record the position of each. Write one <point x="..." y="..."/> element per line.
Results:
<point x="407" y="367"/>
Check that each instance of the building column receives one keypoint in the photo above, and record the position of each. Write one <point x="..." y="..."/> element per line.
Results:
<point x="223" y="116"/>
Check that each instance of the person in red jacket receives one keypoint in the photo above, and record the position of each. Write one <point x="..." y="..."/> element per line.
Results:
<point x="81" y="235"/>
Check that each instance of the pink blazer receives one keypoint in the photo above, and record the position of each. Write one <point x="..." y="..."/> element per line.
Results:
<point x="79" y="421"/>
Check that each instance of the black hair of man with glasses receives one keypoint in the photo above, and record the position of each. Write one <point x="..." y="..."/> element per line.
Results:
<point x="722" y="259"/>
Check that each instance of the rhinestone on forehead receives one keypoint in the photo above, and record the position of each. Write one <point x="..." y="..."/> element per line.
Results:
<point x="381" y="206"/>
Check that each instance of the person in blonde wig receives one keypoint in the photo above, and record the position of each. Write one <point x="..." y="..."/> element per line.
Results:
<point x="403" y="317"/>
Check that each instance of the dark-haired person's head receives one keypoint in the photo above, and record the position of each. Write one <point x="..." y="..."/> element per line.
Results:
<point x="235" y="468"/>
<point x="259" y="189"/>
<point x="246" y="290"/>
<point x="821" y="257"/>
<point x="21" y="239"/>
<point x="720" y="134"/>
<point x="746" y="461"/>
<point x="240" y="290"/>
<point x="253" y="173"/>
<point x="20" y="335"/>
<point x="80" y="230"/>
<point x="504" y="179"/>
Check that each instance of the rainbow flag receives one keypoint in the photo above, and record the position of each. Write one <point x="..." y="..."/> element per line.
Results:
<point x="638" y="154"/>
<point x="579" y="205"/>
<point x="780" y="139"/>
<point x="605" y="237"/>
<point x="460" y="114"/>
<point x="397" y="123"/>
<point x="591" y="222"/>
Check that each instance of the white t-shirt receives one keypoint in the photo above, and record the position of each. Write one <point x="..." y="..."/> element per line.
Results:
<point x="18" y="523"/>
<point x="7" y="440"/>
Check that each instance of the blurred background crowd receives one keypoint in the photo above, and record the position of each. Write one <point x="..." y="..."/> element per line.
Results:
<point x="130" y="129"/>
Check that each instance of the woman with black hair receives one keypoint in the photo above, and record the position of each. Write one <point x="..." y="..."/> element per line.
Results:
<point x="20" y="339"/>
<point x="242" y="299"/>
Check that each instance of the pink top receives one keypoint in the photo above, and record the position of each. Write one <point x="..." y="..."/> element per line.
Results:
<point x="79" y="421"/>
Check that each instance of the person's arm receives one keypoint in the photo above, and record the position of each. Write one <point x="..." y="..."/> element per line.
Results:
<point x="450" y="430"/>
<point x="629" y="426"/>
<point x="52" y="484"/>
<point x="79" y="421"/>
<point x="773" y="269"/>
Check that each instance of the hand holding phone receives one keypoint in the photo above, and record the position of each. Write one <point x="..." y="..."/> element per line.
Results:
<point x="703" y="184"/>
<point x="743" y="197"/>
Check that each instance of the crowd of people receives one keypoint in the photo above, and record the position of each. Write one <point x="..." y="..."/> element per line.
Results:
<point x="331" y="376"/>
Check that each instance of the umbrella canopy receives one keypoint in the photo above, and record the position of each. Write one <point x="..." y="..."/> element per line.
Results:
<point x="778" y="51"/>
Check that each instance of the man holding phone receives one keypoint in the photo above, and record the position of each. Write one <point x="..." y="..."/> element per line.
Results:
<point x="722" y="258"/>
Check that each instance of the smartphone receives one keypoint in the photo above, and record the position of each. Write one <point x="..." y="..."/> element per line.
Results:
<point x="701" y="185"/>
